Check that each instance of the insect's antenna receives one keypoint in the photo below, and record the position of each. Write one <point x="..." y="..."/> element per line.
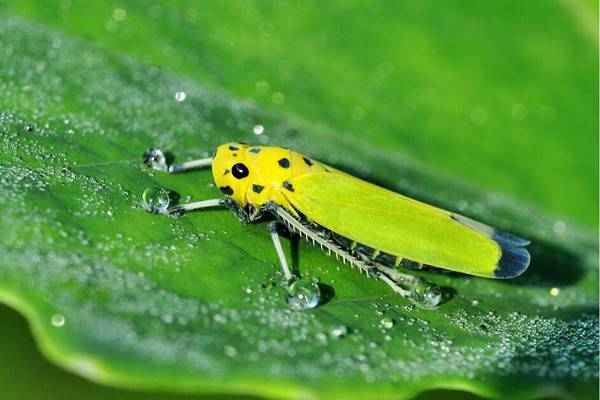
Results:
<point x="189" y="165"/>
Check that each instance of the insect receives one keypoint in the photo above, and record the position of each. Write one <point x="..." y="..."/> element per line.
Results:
<point x="375" y="230"/>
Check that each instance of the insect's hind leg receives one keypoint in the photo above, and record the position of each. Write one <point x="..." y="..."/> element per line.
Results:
<point x="398" y="276"/>
<point x="393" y="284"/>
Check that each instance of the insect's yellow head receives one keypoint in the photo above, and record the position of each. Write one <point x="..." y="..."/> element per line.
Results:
<point x="231" y="171"/>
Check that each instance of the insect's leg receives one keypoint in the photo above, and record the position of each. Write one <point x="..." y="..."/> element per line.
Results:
<point x="398" y="276"/>
<point x="155" y="158"/>
<point x="197" y="205"/>
<point x="255" y="213"/>
<point x="376" y="273"/>
<point x="237" y="210"/>
<point x="190" y="165"/>
<point x="282" y="260"/>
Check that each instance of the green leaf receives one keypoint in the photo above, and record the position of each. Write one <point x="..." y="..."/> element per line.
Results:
<point x="197" y="303"/>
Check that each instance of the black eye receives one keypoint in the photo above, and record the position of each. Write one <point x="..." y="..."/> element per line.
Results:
<point x="239" y="171"/>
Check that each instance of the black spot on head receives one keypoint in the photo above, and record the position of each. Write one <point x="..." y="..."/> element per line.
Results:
<point x="288" y="186"/>
<point x="307" y="161"/>
<point x="226" y="172"/>
<point x="233" y="148"/>
<point x="254" y="150"/>
<point x="284" y="163"/>
<point x="226" y="190"/>
<point x="257" y="188"/>
<point x="239" y="171"/>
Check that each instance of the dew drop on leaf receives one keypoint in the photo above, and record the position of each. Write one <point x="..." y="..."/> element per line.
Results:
<point x="58" y="320"/>
<point x="339" y="332"/>
<point x="155" y="159"/>
<point x="258" y="129"/>
<point x="426" y="295"/>
<point x="387" y="323"/>
<point x="155" y="200"/>
<point x="322" y="338"/>
<point x="303" y="294"/>
<point x="180" y="96"/>
<point x="231" y="351"/>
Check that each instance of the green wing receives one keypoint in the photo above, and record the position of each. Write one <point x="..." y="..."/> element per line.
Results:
<point x="406" y="228"/>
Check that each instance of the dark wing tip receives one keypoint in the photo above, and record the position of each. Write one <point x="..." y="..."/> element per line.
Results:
<point x="501" y="236"/>
<point x="514" y="259"/>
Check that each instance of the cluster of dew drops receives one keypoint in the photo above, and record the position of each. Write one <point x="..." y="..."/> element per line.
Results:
<point x="302" y="294"/>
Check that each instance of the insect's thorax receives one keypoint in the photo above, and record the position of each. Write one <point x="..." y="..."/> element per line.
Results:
<point x="258" y="174"/>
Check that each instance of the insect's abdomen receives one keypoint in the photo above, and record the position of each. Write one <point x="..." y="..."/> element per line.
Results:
<point x="369" y="254"/>
<point x="406" y="228"/>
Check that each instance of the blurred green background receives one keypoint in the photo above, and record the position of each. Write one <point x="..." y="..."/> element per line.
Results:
<point x="502" y="95"/>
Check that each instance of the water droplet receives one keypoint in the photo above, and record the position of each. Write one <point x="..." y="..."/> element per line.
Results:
<point x="258" y="129"/>
<point x="230" y="351"/>
<point x="303" y="295"/>
<point x="58" y="320"/>
<point x="387" y="323"/>
<point x="219" y="318"/>
<point x="479" y="115"/>
<point x="155" y="159"/>
<point x="278" y="97"/>
<point x="559" y="227"/>
<point x="322" y="338"/>
<point x="155" y="200"/>
<point x="119" y="14"/>
<point x="554" y="291"/>
<point x="268" y="285"/>
<point x="426" y="295"/>
<point x="180" y="96"/>
<point x="339" y="332"/>
<point x="262" y="86"/>
<point x="111" y="26"/>
<point x="519" y="111"/>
